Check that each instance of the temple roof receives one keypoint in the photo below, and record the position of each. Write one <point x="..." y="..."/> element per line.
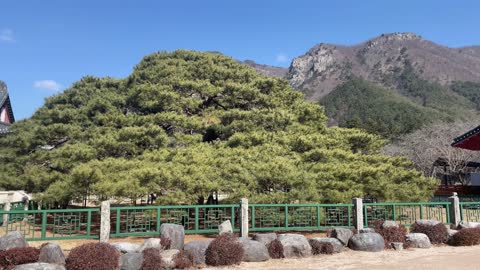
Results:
<point x="470" y="140"/>
<point x="5" y="102"/>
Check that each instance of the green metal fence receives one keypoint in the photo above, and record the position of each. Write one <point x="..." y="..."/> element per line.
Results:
<point x="406" y="213"/>
<point x="146" y="220"/>
<point x="54" y="224"/>
<point x="277" y="217"/>
<point x="470" y="211"/>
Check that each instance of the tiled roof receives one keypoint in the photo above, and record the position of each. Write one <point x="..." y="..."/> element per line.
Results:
<point x="3" y="93"/>
<point x="4" y="128"/>
<point x="470" y="140"/>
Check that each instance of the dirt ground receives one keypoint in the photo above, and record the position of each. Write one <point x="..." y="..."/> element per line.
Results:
<point x="437" y="258"/>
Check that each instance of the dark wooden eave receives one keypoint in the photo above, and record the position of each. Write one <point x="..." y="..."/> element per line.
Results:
<point x="470" y="140"/>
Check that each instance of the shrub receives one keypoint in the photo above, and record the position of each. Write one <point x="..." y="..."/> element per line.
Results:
<point x="224" y="250"/>
<point x="152" y="260"/>
<point x="275" y="249"/>
<point x="438" y="234"/>
<point x="99" y="256"/>
<point x="15" y="256"/>
<point x="467" y="237"/>
<point x="165" y="242"/>
<point x="391" y="234"/>
<point x="183" y="260"/>
<point x="320" y="247"/>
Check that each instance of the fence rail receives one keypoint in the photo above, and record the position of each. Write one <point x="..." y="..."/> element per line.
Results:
<point x="470" y="211"/>
<point x="276" y="217"/>
<point x="202" y="219"/>
<point x="53" y="224"/>
<point x="406" y="213"/>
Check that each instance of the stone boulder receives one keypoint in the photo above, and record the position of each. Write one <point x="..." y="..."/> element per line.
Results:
<point x="131" y="261"/>
<point x="174" y="232"/>
<point x="126" y="247"/>
<point x="295" y="245"/>
<point x="337" y="245"/>
<point x="168" y="256"/>
<point x="225" y="227"/>
<point x="366" y="230"/>
<point x="197" y="249"/>
<point x="12" y="240"/>
<point x="427" y="222"/>
<point x="467" y="225"/>
<point x="265" y="238"/>
<point x="39" y="266"/>
<point x="389" y="224"/>
<point x="371" y="242"/>
<point x="343" y="235"/>
<point x="397" y="246"/>
<point x="254" y="251"/>
<point x="150" y="243"/>
<point x="418" y="240"/>
<point x="52" y="253"/>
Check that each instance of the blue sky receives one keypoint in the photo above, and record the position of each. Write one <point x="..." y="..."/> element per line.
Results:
<point x="47" y="45"/>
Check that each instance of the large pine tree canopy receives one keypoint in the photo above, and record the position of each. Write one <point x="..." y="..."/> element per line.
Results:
<point x="186" y="124"/>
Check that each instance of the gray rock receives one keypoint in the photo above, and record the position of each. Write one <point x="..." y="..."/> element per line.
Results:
<point x="40" y="266"/>
<point x="265" y="238"/>
<point x="254" y="251"/>
<point x="418" y="240"/>
<point x="197" y="249"/>
<point x="427" y="222"/>
<point x="389" y="224"/>
<point x="174" y="232"/>
<point x="295" y="245"/>
<point x="168" y="256"/>
<point x="150" y="243"/>
<point x="12" y="240"/>
<point x="337" y="245"/>
<point x="367" y="230"/>
<point x="466" y="225"/>
<point x="397" y="246"/>
<point x="126" y="247"/>
<point x="225" y="227"/>
<point x="372" y="242"/>
<point x="52" y="253"/>
<point x="131" y="261"/>
<point x="342" y="234"/>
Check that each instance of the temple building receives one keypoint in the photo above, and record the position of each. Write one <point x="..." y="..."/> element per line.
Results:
<point x="469" y="140"/>
<point x="6" y="113"/>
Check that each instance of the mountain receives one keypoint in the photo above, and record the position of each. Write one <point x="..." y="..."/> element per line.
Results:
<point x="267" y="70"/>
<point x="381" y="60"/>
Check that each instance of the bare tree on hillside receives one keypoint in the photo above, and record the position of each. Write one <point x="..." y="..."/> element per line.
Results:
<point x="432" y="144"/>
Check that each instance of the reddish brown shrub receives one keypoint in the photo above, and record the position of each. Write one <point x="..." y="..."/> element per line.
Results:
<point x="275" y="249"/>
<point x="99" y="256"/>
<point x="152" y="260"/>
<point x="183" y="260"/>
<point x="15" y="256"/>
<point x="224" y="250"/>
<point x="391" y="234"/>
<point x="165" y="242"/>
<point x="467" y="237"/>
<point x="321" y="248"/>
<point x="438" y="234"/>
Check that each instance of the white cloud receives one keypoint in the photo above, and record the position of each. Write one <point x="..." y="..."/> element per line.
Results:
<point x="47" y="85"/>
<point x="6" y="35"/>
<point x="281" y="58"/>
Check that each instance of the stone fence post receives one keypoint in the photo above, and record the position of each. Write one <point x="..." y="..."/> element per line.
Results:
<point x="105" y="222"/>
<point x="358" y="213"/>
<point x="6" y="207"/>
<point x="455" y="215"/>
<point x="244" y="217"/>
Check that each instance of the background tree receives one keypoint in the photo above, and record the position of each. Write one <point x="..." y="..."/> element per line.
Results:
<point x="431" y="143"/>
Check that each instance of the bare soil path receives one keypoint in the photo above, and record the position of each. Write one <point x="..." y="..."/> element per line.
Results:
<point x="437" y="258"/>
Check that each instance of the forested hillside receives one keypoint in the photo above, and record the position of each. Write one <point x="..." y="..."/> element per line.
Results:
<point x="186" y="124"/>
